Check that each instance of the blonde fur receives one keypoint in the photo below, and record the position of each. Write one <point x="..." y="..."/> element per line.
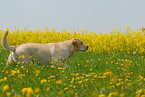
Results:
<point x="44" y="53"/>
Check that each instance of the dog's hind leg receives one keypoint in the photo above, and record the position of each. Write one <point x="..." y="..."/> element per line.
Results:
<point x="11" y="59"/>
<point x="26" y="59"/>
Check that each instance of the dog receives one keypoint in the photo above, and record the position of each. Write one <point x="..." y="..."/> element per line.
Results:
<point x="55" y="53"/>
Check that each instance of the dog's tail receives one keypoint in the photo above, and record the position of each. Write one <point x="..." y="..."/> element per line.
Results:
<point x="4" y="43"/>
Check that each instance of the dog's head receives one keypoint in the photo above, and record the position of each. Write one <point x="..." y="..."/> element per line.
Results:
<point x="78" y="45"/>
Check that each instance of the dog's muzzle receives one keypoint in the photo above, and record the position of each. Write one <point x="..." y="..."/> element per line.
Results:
<point x="85" y="49"/>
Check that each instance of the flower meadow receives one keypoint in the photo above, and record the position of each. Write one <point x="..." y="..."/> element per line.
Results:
<point x="114" y="65"/>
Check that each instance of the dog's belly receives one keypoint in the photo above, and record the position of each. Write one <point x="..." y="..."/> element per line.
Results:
<point x="44" y="61"/>
<point x="42" y="57"/>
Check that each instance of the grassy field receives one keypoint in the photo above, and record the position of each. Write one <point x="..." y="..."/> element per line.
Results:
<point x="91" y="74"/>
<point x="114" y="66"/>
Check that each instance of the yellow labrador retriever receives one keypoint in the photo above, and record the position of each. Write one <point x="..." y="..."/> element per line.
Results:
<point x="44" y="53"/>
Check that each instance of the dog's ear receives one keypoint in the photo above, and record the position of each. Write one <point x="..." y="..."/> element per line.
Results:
<point x="75" y="42"/>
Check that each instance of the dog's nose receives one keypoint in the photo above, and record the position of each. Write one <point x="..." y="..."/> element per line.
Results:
<point x="87" y="47"/>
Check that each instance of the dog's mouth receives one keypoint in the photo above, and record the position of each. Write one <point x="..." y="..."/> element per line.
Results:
<point x="85" y="49"/>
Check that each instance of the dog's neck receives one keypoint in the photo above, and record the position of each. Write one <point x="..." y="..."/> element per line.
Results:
<point x="71" y="50"/>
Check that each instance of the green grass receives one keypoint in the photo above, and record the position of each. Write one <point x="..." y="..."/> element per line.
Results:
<point x="94" y="74"/>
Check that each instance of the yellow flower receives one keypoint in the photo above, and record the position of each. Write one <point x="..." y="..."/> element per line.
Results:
<point x="43" y="81"/>
<point x="80" y="82"/>
<point x="118" y="84"/>
<point x="23" y="56"/>
<point x="127" y="27"/>
<point x="28" y="91"/>
<point x="113" y="94"/>
<point x="66" y="88"/>
<point x="52" y="66"/>
<point x="5" y="78"/>
<point x="6" y="87"/>
<point x="91" y="69"/>
<point x="22" y="62"/>
<point x="48" y="88"/>
<point x="37" y="71"/>
<point x="59" y="81"/>
<point x="22" y="66"/>
<point x="24" y="90"/>
<point x="101" y="95"/>
<point x="60" y="68"/>
<point x="87" y="61"/>
<point x="37" y="90"/>
<point x="122" y="95"/>
<point x="142" y="96"/>
<point x="72" y="80"/>
<point x="8" y="93"/>
<point x="18" y="62"/>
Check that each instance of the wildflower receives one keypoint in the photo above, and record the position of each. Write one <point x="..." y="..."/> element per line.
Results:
<point x="22" y="62"/>
<point x="37" y="71"/>
<point x="18" y="63"/>
<point x="127" y="27"/>
<point x="87" y="61"/>
<point x="80" y="82"/>
<point x="8" y="93"/>
<point x="72" y="80"/>
<point x="5" y="78"/>
<point x="118" y="84"/>
<point x="91" y="69"/>
<point x="74" y="86"/>
<point x="6" y="87"/>
<point x="142" y="95"/>
<point x="101" y="95"/>
<point x="43" y="81"/>
<point x="60" y="92"/>
<point x="48" y="88"/>
<point x="139" y="91"/>
<point x="122" y="95"/>
<point x="24" y="90"/>
<point x="62" y="71"/>
<point x="22" y="66"/>
<point x="134" y="52"/>
<point x="59" y="81"/>
<point x="18" y="71"/>
<point x="60" y="68"/>
<point x="28" y="91"/>
<point x="37" y="90"/>
<point x="66" y="88"/>
<point x="23" y="56"/>
<point x="113" y="94"/>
